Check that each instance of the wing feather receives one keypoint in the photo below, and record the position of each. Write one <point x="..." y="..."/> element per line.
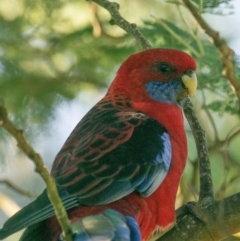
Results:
<point x="113" y="147"/>
<point x="112" y="152"/>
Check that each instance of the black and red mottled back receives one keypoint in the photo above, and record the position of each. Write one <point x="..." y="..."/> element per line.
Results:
<point x="109" y="148"/>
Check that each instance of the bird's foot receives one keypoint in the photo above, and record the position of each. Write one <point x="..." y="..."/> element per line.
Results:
<point x="191" y="208"/>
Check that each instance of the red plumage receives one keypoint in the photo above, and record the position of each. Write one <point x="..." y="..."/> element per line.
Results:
<point x="129" y="152"/>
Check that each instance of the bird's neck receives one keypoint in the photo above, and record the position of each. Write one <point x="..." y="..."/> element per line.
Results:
<point x="168" y="115"/>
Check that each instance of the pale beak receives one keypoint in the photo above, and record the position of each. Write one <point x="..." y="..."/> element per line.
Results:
<point x="190" y="82"/>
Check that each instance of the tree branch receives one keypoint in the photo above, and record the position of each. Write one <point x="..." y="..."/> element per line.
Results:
<point x="222" y="220"/>
<point x="206" y="184"/>
<point x="41" y="169"/>
<point x="226" y="53"/>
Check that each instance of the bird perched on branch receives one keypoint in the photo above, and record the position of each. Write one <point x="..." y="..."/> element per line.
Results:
<point x="127" y="154"/>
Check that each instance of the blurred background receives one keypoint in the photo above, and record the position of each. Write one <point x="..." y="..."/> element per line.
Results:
<point x="58" y="57"/>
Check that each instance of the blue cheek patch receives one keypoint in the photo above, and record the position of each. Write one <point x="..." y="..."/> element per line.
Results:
<point x="163" y="91"/>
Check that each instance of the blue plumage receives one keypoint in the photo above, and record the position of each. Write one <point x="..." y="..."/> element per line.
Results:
<point x="108" y="226"/>
<point x="164" y="91"/>
<point x="166" y="151"/>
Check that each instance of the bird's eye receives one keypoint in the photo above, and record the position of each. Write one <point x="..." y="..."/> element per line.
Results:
<point x="164" y="68"/>
<point x="190" y="72"/>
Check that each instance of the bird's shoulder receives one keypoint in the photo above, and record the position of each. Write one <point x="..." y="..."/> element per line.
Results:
<point x="112" y="118"/>
<point x="111" y="123"/>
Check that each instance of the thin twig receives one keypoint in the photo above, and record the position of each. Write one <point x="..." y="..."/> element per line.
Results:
<point x="206" y="184"/>
<point x="17" y="188"/>
<point x="117" y="19"/>
<point x="97" y="30"/>
<point x="42" y="170"/>
<point x="226" y="53"/>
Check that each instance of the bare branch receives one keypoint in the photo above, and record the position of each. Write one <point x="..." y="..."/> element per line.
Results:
<point x="117" y="19"/>
<point x="97" y="30"/>
<point x="206" y="185"/>
<point x="216" y="228"/>
<point x="226" y="53"/>
<point x="16" y="188"/>
<point x="41" y="169"/>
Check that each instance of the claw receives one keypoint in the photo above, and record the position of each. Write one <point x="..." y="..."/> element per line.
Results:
<point x="193" y="209"/>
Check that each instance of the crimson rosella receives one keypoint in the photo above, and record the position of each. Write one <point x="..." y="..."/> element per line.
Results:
<point x="129" y="151"/>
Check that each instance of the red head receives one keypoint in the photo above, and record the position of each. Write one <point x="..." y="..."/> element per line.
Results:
<point x="154" y="65"/>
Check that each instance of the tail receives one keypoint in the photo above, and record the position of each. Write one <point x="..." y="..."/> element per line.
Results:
<point x="36" y="211"/>
<point x="110" y="225"/>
